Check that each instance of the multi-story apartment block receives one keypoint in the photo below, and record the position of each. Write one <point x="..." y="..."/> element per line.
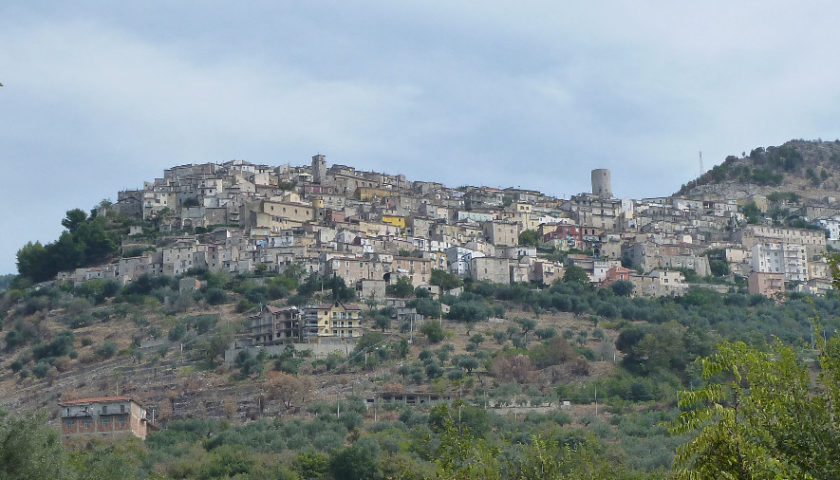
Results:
<point x="813" y="240"/>
<point x="790" y="259"/>
<point x="768" y="284"/>
<point x="274" y="325"/>
<point x="460" y="258"/>
<point x="332" y="322"/>
<point x="832" y="226"/>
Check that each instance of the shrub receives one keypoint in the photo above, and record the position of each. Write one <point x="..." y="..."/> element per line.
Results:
<point x="433" y="331"/>
<point x="215" y="296"/>
<point x="40" y="369"/>
<point x="106" y="350"/>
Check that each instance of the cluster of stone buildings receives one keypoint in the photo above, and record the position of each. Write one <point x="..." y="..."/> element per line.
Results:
<point x="372" y="228"/>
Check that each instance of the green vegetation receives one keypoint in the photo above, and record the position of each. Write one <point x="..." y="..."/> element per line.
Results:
<point x="403" y="288"/>
<point x="87" y="241"/>
<point x="445" y="280"/>
<point x="762" y="415"/>
<point x="766" y="167"/>
<point x="529" y="238"/>
<point x="725" y="350"/>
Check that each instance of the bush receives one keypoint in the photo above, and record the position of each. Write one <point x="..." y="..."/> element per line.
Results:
<point x="106" y="350"/>
<point x="433" y="331"/>
<point x="61" y="345"/>
<point x="177" y="332"/>
<point x="622" y="288"/>
<point x="470" y="311"/>
<point x="545" y="333"/>
<point x="40" y="369"/>
<point x="215" y="296"/>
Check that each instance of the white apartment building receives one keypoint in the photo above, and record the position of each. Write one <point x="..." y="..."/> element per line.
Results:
<point x="814" y="240"/>
<point x="459" y="259"/>
<point x="833" y="227"/>
<point x="788" y="258"/>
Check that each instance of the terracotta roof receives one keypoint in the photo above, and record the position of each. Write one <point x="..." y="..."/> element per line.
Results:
<point x="79" y="401"/>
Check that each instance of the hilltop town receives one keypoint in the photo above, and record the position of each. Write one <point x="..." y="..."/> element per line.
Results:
<point x="371" y="229"/>
<point x="298" y="309"/>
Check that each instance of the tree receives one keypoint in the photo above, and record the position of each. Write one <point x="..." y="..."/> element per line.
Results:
<point x="427" y="307"/>
<point x="477" y="339"/>
<point x="295" y="271"/>
<point x="85" y="242"/>
<point x="217" y="345"/>
<point x="622" y="288"/>
<point x="763" y="415"/>
<point x="445" y="280"/>
<point x="529" y="238"/>
<point x="575" y="274"/>
<point x="433" y="331"/>
<point x="382" y="321"/>
<point x="287" y="388"/>
<point x="403" y="288"/>
<point x="359" y="461"/>
<point x="467" y="362"/>
<point x="30" y="449"/>
<point x="719" y="268"/>
<point x="32" y="262"/>
<point x="73" y="219"/>
<point x="526" y="324"/>
<point x="116" y="461"/>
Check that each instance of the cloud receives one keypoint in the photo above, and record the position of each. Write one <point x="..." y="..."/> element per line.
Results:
<point x="535" y="94"/>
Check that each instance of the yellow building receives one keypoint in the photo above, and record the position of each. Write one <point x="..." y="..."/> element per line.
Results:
<point x="367" y="194"/>
<point x="333" y="322"/>
<point x="395" y="220"/>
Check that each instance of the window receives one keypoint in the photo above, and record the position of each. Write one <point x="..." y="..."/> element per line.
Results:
<point x="106" y="421"/>
<point x="104" y="409"/>
<point x="122" y="408"/>
<point x="86" y="422"/>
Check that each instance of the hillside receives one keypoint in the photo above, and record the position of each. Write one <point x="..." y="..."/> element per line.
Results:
<point x="492" y="301"/>
<point x="810" y="169"/>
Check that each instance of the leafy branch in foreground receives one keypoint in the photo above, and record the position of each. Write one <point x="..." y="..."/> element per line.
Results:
<point x="762" y="415"/>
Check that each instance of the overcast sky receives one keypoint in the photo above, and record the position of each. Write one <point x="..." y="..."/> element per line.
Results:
<point x="100" y="96"/>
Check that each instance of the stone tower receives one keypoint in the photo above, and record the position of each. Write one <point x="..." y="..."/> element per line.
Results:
<point x="319" y="169"/>
<point x="601" y="185"/>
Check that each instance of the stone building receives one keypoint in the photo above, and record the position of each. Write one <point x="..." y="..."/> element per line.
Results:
<point x="103" y="417"/>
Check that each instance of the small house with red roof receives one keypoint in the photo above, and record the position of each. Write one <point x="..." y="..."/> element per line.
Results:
<point x="103" y="417"/>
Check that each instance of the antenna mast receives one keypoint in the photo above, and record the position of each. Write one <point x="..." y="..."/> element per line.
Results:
<point x="701" y="163"/>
